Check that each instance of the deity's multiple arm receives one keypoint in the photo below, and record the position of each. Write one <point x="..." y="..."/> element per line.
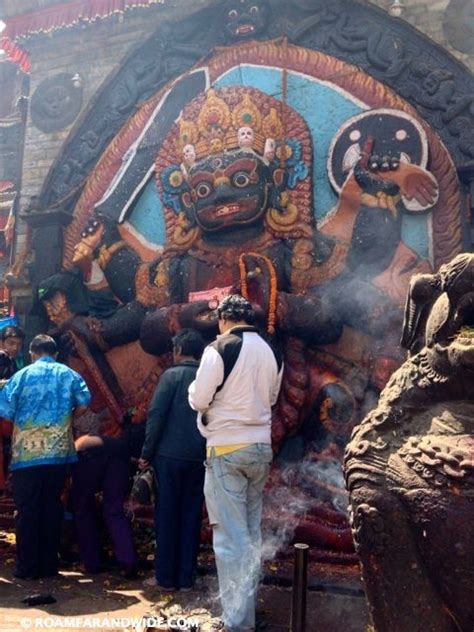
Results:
<point x="161" y="324"/>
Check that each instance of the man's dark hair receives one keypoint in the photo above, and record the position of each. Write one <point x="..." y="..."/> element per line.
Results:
<point x="235" y="308"/>
<point x="12" y="331"/>
<point x="190" y="342"/>
<point x="43" y="345"/>
<point x="6" y="366"/>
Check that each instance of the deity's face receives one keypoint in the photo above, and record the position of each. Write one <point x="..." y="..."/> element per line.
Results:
<point x="245" y="18"/>
<point x="229" y="190"/>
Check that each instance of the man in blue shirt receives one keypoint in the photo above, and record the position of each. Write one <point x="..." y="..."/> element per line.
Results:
<point x="11" y="360"/>
<point x="41" y="401"/>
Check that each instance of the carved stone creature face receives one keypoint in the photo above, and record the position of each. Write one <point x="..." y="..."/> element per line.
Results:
<point x="245" y="18"/>
<point x="452" y="315"/>
<point x="57" y="102"/>
<point x="448" y="299"/>
<point x="228" y="190"/>
<point x="246" y="137"/>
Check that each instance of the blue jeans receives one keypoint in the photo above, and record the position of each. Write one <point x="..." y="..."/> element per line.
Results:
<point x="234" y="489"/>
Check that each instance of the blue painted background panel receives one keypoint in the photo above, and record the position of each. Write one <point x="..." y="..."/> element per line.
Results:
<point x="415" y="233"/>
<point x="147" y="217"/>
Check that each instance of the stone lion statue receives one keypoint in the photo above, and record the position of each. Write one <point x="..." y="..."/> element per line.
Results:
<point x="409" y="466"/>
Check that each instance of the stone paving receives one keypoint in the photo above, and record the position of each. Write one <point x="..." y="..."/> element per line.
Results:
<point x="98" y="602"/>
<point x="108" y="602"/>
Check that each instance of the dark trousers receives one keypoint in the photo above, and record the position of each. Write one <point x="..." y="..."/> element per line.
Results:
<point x="110" y="475"/>
<point x="37" y="495"/>
<point x="178" y="513"/>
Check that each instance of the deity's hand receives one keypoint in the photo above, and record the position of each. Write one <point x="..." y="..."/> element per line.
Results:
<point x="198" y="316"/>
<point x="376" y="175"/>
<point x="390" y="175"/>
<point x="160" y="325"/>
<point x="85" y="328"/>
<point x="259" y="284"/>
<point x="91" y="238"/>
<point x="417" y="184"/>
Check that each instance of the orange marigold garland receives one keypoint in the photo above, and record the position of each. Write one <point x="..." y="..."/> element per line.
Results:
<point x="272" y="303"/>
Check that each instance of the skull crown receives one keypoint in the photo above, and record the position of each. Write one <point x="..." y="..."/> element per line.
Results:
<point x="223" y="127"/>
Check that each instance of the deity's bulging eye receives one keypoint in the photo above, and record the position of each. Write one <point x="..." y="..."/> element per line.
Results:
<point x="241" y="179"/>
<point x="203" y="190"/>
<point x="254" y="10"/>
<point x="233" y="14"/>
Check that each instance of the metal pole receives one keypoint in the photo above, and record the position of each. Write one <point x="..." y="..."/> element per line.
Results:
<point x="298" y="602"/>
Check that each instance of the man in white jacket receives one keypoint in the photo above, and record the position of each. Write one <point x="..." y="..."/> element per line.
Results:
<point x="236" y="385"/>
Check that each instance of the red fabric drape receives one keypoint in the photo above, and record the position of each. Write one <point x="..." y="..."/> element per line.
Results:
<point x="64" y="15"/>
<point x="6" y="185"/>
<point x="58" y="17"/>
<point x="16" y="53"/>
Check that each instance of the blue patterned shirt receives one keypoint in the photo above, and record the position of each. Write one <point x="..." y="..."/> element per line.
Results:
<point x="40" y="400"/>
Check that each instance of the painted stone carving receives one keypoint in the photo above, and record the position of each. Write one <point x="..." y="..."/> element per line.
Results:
<point x="242" y="193"/>
<point x="235" y="177"/>
<point x="409" y="465"/>
<point x="226" y="199"/>
<point x="245" y="19"/>
<point x="402" y="185"/>
<point x="56" y="102"/>
<point x="385" y="48"/>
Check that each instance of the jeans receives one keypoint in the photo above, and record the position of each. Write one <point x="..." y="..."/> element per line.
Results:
<point x="234" y="491"/>
<point x="178" y="514"/>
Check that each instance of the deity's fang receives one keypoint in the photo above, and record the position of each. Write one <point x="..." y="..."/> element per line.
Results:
<point x="227" y="210"/>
